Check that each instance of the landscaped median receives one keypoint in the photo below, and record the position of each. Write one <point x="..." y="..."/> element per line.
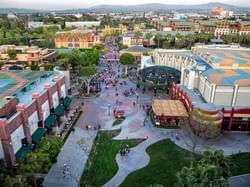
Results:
<point x="102" y="165"/>
<point x="118" y="121"/>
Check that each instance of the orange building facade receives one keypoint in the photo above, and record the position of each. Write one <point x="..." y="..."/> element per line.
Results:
<point x="76" y="39"/>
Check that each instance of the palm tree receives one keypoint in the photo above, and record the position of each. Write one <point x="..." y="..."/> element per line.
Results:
<point x="148" y="36"/>
<point x="158" y="37"/>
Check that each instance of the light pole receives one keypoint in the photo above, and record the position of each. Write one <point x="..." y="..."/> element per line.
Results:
<point x="109" y="109"/>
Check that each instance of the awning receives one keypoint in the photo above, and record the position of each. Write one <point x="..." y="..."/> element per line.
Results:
<point x="38" y="134"/>
<point x="49" y="121"/>
<point x="169" y="108"/>
<point x="66" y="101"/>
<point x="23" y="151"/>
<point x="59" y="110"/>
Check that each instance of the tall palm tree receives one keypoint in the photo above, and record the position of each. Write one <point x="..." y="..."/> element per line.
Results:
<point x="158" y="37"/>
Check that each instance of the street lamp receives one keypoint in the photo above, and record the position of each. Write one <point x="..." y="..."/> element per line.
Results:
<point x="109" y="109"/>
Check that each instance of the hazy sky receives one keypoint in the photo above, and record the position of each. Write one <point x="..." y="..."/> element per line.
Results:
<point x="62" y="4"/>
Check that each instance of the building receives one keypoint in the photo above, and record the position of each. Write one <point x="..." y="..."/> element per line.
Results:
<point x="83" y="24"/>
<point x="216" y="11"/>
<point x="162" y="25"/>
<point x="184" y="26"/>
<point x="137" y="52"/>
<point x="31" y="105"/>
<point x="12" y="15"/>
<point x="107" y="31"/>
<point x="130" y="39"/>
<point x="137" y="28"/>
<point x="122" y="28"/>
<point x="244" y="27"/>
<point x="37" y="24"/>
<point x="225" y="28"/>
<point x="207" y="26"/>
<point x="215" y="80"/>
<point x="27" y="55"/>
<point x="76" y="39"/>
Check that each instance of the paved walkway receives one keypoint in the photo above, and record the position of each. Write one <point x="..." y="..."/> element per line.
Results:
<point x="75" y="154"/>
<point x="136" y="159"/>
<point x="240" y="181"/>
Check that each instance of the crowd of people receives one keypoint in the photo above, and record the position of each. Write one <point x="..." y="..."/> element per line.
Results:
<point x="124" y="151"/>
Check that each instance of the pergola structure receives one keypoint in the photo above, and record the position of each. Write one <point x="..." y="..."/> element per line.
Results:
<point x="168" y="112"/>
<point x="159" y="76"/>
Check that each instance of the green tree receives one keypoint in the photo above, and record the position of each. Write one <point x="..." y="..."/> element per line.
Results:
<point x="50" y="145"/>
<point x="49" y="67"/>
<point x="86" y="74"/>
<point x="127" y="59"/>
<point x="138" y="34"/>
<point x="148" y="36"/>
<point x="90" y="58"/>
<point x="75" y="58"/>
<point x="212" y="170"/>
<point x="11" y="53"/>
<point x="40" y="160"/>
<point x="158" y="37"/>
<point x="36" y="162"/>
<point x="63" y="60"/>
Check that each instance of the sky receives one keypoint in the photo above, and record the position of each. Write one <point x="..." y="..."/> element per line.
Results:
<point x="67" y="4"/>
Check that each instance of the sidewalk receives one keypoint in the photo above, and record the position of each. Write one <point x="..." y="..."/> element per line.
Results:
<point x="240" y="181"/>
<point x="75" y="154"/>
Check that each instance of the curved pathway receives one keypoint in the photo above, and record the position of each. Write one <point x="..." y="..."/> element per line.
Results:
<point x="136" y="159"/>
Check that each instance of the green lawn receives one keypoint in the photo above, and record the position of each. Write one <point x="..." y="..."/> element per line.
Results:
<point x="102" y="165"/>
<point x="241" y="163"/>
<point x="118" y="121"/>
<point x="166" y="159"/>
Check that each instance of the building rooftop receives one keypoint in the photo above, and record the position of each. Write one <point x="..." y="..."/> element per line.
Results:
<point x="222" y="58"/>
<point x="200" y="65"/>
<point x="173" y="33"/>
<point x="137" y="49"/>
<point x="169" y="108"/>
<point x="228" y="77"/>
<point x="23" y="83"/>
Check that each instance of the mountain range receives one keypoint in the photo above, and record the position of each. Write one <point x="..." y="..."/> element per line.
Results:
<point x="137" y="8"/>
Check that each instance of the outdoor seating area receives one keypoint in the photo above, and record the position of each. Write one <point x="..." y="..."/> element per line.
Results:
<point x="168" y="112"/>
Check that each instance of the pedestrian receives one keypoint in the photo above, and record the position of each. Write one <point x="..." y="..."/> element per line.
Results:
<point x="64" y="174"/>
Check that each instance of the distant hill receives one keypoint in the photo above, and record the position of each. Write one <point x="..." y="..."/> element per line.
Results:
<point x="136" y="8"/>
<point x="18" y="10"/>
<point x="159" y="7"/>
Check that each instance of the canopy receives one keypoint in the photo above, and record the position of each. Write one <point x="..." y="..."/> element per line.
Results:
<point x="66" y="101"/>
<point x="59" y="110"/>
<point x="169" y="108"/>
<point x="23" y="151"/>
<point x="49" y="121"/>
<point x="38" y="134"/>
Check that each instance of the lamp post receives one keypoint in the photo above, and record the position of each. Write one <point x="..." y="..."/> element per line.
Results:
<point x="109" y="109"/>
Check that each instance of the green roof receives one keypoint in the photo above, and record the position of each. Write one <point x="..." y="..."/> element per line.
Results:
<point x="38" y="134"/>
<point x="49" y="121"/>
<point x="137" y="49"/>
<point x="173" y="33"/>
<point x="59" y="110"/>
